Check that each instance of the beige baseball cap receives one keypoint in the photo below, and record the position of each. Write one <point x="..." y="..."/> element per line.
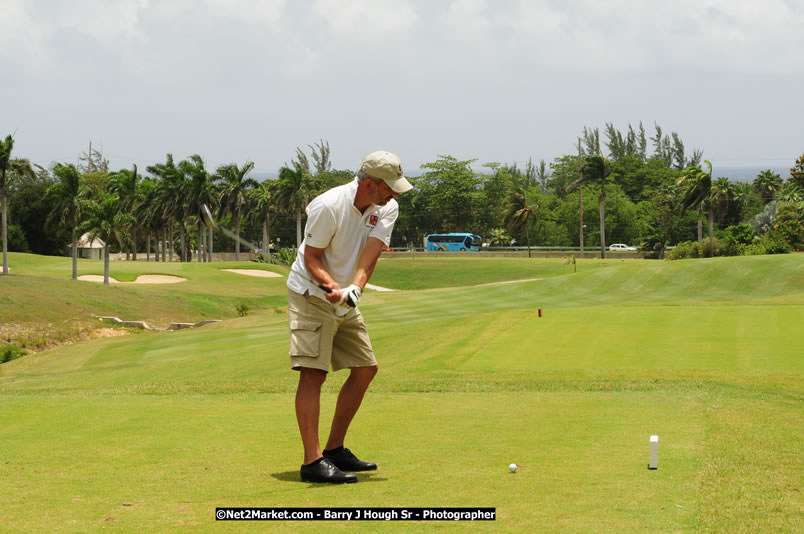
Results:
<point x="387" y="167"/>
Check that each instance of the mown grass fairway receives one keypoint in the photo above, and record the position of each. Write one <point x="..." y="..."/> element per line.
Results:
<point x="152" y="432"/>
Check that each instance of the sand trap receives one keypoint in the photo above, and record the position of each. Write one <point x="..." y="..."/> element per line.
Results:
<point x="510" y="282"/>
<point x="378" y="288"/>
<point x="142" y="279"/>
<point x="158" y="279"/>
<point x="254" y="272"/>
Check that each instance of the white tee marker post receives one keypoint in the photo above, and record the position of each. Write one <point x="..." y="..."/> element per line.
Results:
<point x="654" y="452"/>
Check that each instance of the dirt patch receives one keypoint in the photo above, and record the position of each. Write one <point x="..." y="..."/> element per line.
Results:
<point x="36" y="337"/>
<point x="109" y="332"/>
<point x="254" y="272"/>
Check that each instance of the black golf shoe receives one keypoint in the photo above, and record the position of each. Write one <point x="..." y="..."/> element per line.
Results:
<point x="323" y="470"/>
<point x="346" y="461"/>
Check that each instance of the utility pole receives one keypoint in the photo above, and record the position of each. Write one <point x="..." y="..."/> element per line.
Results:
<point x="580" y="196"/>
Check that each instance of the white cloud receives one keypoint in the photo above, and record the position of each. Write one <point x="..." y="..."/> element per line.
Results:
<point x="264" y="12"/>
<point x="467" y="17"/>
<point x="20" y="35"/>
<point x="105" y="21"/>
<point x="729" y="35"/>
<point x="361" y="19"/>
<point x="539" y="16"/>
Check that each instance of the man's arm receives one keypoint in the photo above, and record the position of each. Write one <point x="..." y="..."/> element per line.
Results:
<point x="312" y="260"/>
<point x="368" y="260"/>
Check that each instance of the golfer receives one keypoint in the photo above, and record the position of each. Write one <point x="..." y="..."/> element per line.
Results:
<point x="347" y="228"/>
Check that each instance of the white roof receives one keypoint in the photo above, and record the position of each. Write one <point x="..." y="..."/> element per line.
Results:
<point x="83" y="242"/>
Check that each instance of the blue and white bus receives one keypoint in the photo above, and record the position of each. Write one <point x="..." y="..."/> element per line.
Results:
<point x="453" y="242"/>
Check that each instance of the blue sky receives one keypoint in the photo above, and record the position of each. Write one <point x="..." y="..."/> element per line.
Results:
<point x="237" y="80"/>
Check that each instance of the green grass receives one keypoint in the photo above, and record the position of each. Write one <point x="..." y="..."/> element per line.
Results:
<point x="41" y="306"/>
<point x="152" y="432"/>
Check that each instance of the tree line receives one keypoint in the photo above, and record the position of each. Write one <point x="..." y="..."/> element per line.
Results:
<point x="646" y="191"/>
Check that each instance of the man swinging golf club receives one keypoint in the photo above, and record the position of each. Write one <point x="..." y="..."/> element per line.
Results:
<point x="347" y="228"/>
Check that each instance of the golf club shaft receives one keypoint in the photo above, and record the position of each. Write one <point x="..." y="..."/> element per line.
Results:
<point x="210" y="222"/>
<point x="242" y="241"/>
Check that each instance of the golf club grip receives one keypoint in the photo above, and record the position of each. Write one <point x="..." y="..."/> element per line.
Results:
<point x="320" y="285"/>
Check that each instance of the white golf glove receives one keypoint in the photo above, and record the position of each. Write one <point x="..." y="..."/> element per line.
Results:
<point x="351" y="296"/>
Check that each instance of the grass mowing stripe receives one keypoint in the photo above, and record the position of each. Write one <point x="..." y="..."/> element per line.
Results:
<point x="176" y="476"/>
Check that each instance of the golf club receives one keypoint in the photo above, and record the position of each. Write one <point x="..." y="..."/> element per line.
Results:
<point x="349" y="301"/>
<point x="210" y="222"/>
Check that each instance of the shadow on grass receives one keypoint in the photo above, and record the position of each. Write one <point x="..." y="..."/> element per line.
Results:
<point x="293" y="476"/>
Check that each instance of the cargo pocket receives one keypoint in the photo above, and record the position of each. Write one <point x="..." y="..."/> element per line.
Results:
<point x="304" y="338"/>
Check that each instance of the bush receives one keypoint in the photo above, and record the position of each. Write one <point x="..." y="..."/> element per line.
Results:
<point x="788" y="226"/>
<point x="696" y="249"/>
<point x="287" y="255"/>
<point x="242" y="310"/>
<point x="683" y="250"/>
<point x="754" y="249"/>
<point x="11" y="352"/>
<point x="737" y="238"/>
<point x="16" y="239"/>
<point x="775" y="243"/>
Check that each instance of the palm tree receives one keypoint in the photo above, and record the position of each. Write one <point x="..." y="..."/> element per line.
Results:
<point x="517" y="211"/>
<point x="234" y="194"/>
<point x="722" y="192"/>
<point x="6" y="147"/>
<point x="145" y="212"/>
<point x="791" y="193"/>
<point x="173" y="199"/>
<point x="596" y="169"/>
<point x="66" y="197"/>
<point x="296" y="188"/>
<point x="766" y="184"/>
<point x="262" y="198"/>
<point x="201" y="191"/>
<point x="105" y="220"/>
<point x="125" y="184"/>
<point x="698" y="194"/>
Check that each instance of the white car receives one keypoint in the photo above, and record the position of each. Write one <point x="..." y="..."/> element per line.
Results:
<point x="622" y="248"/>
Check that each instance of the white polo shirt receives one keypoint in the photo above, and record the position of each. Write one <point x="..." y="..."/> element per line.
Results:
<point x="334" y="224"/>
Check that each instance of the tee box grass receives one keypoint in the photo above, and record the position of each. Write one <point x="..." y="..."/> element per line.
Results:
<point x="153" y="432"/>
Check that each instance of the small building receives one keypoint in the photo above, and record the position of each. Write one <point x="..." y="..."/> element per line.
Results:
<point x="91" y="250"/>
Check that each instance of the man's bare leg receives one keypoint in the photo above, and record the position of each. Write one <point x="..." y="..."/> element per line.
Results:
<point x="349" y="400"/>
<point x="308" y="408"/>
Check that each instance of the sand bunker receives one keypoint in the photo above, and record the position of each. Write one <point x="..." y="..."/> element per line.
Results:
<point x="377" y="288"/>
<point x="254" y="272"/>
<point x="142" y="279"/>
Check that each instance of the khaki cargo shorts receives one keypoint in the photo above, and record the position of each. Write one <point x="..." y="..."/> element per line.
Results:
<point x="319" y="339"/>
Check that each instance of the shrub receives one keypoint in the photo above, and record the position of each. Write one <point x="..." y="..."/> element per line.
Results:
<point x="498" y="237"/>
<point x="788" y="226"/>
<point x="696" y="249"/>
<point x="287" y="255"/>
<point x="754" y="249"/>
<point x="737" y="238"/>
<point x="685" y="249"/>
<point x="775" y="243"/>
<point x="242" y="310"/>
<point x="11" y="352"/>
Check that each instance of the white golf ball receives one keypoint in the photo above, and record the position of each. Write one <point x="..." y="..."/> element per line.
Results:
<point x="512" y="468"/>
